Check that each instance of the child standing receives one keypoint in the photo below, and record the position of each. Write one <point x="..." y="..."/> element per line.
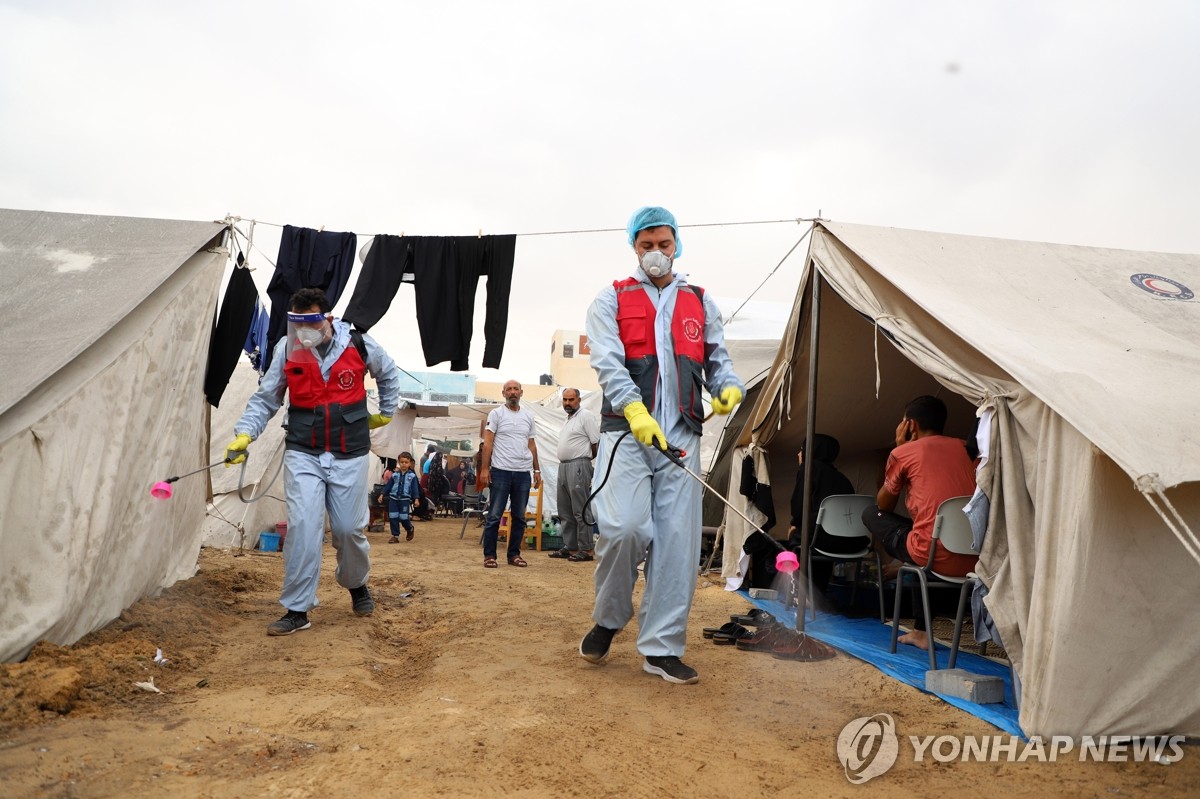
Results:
<point x="404" y="493"/>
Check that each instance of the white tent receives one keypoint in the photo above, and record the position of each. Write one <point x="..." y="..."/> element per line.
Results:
<point x="106" y="329"/>
<point x="1087" y="359"/>
<point x="227" y="512"/>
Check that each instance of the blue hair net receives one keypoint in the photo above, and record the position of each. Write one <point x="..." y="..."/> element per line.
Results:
<point x="653" y="216"/>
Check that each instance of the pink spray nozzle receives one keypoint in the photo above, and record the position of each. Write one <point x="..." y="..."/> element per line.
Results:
<point x="786" y="562"/>
<point x="161" y="490"/>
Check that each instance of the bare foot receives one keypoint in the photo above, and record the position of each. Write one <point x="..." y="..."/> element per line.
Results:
<point x="917" y="638"/>
<point x="891" y="570"/>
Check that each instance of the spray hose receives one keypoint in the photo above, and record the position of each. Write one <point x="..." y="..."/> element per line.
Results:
<point x="785" y="561"/>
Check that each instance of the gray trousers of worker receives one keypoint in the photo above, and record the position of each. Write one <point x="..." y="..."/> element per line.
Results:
<point x="648" y="510"/>
<point x="315" y="485"/>
<point x="574" y="487"/>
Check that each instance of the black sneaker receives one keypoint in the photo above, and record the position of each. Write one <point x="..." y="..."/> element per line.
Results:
<point x="594" y="646"/>
<point x="671" y="669"/>
<point x="363" y="604"/>
<point x="292" y="621"/>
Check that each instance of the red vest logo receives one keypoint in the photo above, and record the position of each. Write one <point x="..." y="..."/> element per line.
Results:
<point x="692" y="329"/>
<point x="345" y="379"/>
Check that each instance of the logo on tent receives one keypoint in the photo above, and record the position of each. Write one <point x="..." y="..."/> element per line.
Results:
<point x="868" y="747"/>
<point x="1161" y="286"/>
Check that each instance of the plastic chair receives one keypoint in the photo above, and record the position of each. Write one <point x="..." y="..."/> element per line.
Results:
<point x="840" y="515"/>
<point x="474" y="506"/>
<point x="952" y="528"/>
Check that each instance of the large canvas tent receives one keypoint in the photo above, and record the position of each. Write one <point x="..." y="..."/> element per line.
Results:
<point x="1087" y="360"/>
<point x="106" y="329"/>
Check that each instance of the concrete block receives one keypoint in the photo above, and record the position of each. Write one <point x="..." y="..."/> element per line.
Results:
<point x="963" y="684"/>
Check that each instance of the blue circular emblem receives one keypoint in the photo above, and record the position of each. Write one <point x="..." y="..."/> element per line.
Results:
<point x="1161" y="286"/>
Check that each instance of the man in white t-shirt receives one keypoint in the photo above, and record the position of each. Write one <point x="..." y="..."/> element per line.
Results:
<point x="577" y="442"/>
<point x="509" y="453"/>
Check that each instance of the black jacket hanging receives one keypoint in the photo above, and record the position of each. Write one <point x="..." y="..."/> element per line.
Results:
<point x="229" y="334"/>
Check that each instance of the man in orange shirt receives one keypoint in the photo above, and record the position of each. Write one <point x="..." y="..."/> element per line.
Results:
<point x="933" y="468"/>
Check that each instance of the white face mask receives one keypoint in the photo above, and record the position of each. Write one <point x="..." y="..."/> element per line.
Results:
<point x="655" y="263"/>
<point x="309" y="337"/>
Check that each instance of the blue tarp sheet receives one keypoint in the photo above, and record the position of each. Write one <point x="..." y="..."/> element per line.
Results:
<point x="868" y="640"/>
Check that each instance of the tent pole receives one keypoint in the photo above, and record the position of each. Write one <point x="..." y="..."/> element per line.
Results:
<point x="806" y="526"/>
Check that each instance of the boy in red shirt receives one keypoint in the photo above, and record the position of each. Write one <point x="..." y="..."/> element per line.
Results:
<point x="933" y="468"/>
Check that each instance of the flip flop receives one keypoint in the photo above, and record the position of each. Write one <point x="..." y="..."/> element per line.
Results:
<point x="489" y="563"/>
<point x="727" y="627"/>
<point x="738" y="633"/>
<point x="755" y="618"/>
<point x="517" y="561"/>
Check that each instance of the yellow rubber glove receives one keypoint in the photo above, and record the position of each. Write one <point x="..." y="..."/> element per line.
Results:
<point x="377" y="420"/>
<point x="645" y="428"/>
<point x="730" y="397"/>
<point x="236" y="452"/>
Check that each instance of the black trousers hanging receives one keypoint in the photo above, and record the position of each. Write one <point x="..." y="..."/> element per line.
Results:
<point x="445" y="271"/>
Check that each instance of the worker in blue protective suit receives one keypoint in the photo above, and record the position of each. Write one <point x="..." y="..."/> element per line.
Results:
<point x="321" y="364"/>
<point x="655" y="341"/>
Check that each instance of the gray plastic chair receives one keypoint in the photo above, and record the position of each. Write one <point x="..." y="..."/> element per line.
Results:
<point x="841" y="515"/>
<point x="474" y="506"/>
<point x="953" y="529"/>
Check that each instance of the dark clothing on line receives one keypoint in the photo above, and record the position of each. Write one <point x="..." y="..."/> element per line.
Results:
<point x="256" y="339"/>
<point x="229" y="333"/>
<point x="445" y="271"/>
<point x="307" y="259"/>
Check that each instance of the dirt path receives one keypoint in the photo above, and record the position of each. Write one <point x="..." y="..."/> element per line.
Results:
<point x="466" y="682"/>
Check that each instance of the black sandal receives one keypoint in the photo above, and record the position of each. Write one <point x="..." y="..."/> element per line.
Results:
<point x="755" y="618"/>
<point x="563" y="553"/>
<point x="580" y="557"/>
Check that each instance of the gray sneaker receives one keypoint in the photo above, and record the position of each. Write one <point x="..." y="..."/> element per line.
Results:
<point x="293" y="621"/>
<point x="594" y="646"/>
<point x="671" y="669"/>
<point x="361" y="601"/>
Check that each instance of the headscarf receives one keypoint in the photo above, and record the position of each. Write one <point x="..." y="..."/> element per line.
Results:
<point x="653" y="216"/>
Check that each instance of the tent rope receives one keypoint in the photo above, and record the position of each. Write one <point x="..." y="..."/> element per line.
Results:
<point x="733" y="315"/>
<point x="1150" y="485"/>
<point x="796" y="221"/>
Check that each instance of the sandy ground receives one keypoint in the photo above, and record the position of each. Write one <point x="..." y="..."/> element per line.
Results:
<point x="465" y="682"/>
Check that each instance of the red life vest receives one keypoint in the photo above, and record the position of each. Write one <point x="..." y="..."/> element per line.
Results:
<point x="327" y="416"/>
<point x="636" y="317"/>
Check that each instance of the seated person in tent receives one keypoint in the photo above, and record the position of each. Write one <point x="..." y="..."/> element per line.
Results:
<point x="933" y="468"/>
<point x="827" y="481"/>
<point x="454" y="474"/>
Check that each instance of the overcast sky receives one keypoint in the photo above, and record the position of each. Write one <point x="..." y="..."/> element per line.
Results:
<point x="1072" y="122"/>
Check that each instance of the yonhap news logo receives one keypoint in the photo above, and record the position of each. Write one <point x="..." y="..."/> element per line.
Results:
<point x="868" y="747"/>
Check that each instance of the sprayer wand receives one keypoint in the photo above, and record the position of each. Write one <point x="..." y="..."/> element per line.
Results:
<point x="785" y="562"/>
<point x="162" y="489"/>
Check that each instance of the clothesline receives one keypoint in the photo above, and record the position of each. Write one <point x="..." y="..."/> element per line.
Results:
<point x="796" y="221"/>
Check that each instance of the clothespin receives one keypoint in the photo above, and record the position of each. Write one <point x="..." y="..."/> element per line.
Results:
<point x="481" y="233"/>
<point x="321" y="229"/>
